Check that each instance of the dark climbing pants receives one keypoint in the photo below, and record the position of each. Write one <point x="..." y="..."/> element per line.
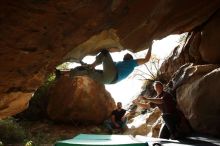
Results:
<point x="105" y="76"/>
<point x="170" y="127"/>
<point x="164" y="132"/>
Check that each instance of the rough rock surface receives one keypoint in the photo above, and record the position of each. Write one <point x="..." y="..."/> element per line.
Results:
<point x="79" y="99"/>
<point x="36" y="35"/>
<point x="153" y="116"/>
<point x="201" y="47"/>
<point x="198" y="98"/>
<point x="177" y="58"/>
<point x="155" y="129"/>
<point x="150" y="127"/>
<point x="189" y="70"/>
<point x="210" y="44"/>
<point x="143" y="129"/>
<point x="13" y="103"/>
<point x="155" y="120"/>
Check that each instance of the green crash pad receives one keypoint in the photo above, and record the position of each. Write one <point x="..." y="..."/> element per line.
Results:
<point x="101" y="140"/>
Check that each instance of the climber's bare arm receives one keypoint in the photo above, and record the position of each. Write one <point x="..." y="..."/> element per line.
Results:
<point x="147" y="57"/>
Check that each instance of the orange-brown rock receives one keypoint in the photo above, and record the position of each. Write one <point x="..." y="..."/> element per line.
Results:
<point x="14" y="103"/>
<point x="153" y="116"/>
<point x="155" y="129"/>
<point x="79" y="99"/>
<point x="155" y="121"/>
<point x="36" y="35"/>
<point x="198" y="98"/>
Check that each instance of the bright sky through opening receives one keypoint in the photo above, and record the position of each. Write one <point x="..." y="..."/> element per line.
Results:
<point x="127" y="89"/>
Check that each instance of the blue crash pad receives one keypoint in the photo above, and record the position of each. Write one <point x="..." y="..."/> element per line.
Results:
<point x="101" y="140"/>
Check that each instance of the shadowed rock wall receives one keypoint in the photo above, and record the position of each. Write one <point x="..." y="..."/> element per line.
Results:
<point x="193" y="71"/>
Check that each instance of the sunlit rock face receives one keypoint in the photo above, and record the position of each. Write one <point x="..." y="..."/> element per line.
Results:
<point x="198" y="97"/>
<point x="155" y="120"/>
<point x="150" y="126"/>
<point x="189" y="70"/>
<point x="79" y="99"/>
<point x="155" y="129"/>
<point x="143" y="129"/>
<point x="37" y="35"/>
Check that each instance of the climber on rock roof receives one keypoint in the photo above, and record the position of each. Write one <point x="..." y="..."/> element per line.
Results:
<point x="112" y="72"/>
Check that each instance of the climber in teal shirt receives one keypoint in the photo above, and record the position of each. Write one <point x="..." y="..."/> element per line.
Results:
<point x="112" y="72"/>
<point x="125" y="68"/>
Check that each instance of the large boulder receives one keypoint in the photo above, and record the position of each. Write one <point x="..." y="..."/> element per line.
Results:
<point x="79" y="99"/>
<point x="198" y="98"/>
